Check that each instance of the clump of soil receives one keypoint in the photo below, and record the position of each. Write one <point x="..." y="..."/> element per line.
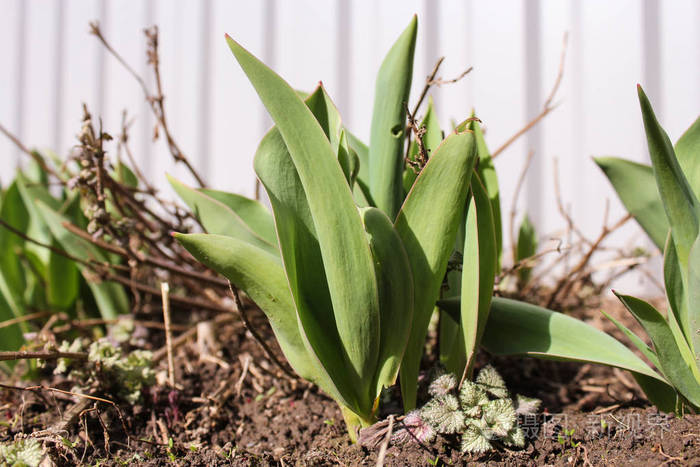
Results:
<point x="233" y="406"/>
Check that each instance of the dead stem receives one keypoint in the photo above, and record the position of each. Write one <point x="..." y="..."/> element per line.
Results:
<point x="156" y="102"/>
<point x="41" y="355"/>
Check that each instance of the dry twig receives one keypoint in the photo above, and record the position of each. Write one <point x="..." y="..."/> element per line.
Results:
<point x="546" y="109"/>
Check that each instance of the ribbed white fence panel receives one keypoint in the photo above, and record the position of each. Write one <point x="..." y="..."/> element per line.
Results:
<point x="50" y="66"/>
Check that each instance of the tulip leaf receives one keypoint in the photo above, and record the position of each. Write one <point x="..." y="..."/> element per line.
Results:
<point x="361" y="188"/>
<point x="679" y="200"/>
<point x="261" y="276"/>
<point x="388" y="129"/>
<point x="677" y="363"/>
<point x="217" y="218"/>
<point x="487" y="173"/>
<point x="346" y="256"/>
<point x="688" y="153"/>
<point x="635" y="339"/>
<point x="12" y="279"/>
<point x="395" y="282"/>
<point x="677" y="316"/>
<point x="253" y="213"/>
<point x="301" y="256"/>
<point x="526" y="248"/>
<point x="428" y="224"/>
<point x="518" y="328"/>
<point x="636" y="188"/>
<point x="478" y="269"/>
<point x="109" y="296"/>
<point x="694" y="298"/>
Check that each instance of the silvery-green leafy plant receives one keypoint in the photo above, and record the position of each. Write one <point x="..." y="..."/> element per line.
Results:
<point x="348" y="287"/>
<point x="663" y="198"/>
<point x="480" y="412"/>
<point x="26" y="452"/>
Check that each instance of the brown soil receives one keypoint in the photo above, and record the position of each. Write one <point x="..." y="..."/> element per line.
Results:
<point x="238" y="408"/>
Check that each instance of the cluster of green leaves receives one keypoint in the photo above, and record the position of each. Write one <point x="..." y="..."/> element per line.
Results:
<point x="349" y="265"/>
<point x="663" y="198"/>
<point x="480" y="412"/>
<point x="35" y="278"/>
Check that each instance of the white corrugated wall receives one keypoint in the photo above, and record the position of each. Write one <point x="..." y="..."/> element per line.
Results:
<point x="50" y="65"/>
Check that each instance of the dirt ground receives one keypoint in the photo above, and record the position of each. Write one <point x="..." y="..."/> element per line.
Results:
<point x="234" y="406"/>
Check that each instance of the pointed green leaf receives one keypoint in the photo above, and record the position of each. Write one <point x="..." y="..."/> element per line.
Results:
<point x="395" y="282"/>
<point x="110" y="297"/>
<point x="526" y="248"/>
<point x="253" y="213"/>
<point x="216" y="217"/>
<point x="681" y="205"/>
<point x="301" y="256"/>
<point x="63" y="277"/>
<point x="12" y="279"/>
<point x="348" y="159"/>
<point x="487" y="173"/>
<point x="677" y="364"/>
<point x="518" y="328"/>
<point x="635" y="185"/>
<point x="453" y="354"/>
<point x="123" y="174"/>
<point x="37" y="229"/>
<point x="428" y="224"/>
<point x="326" y="113"/>
<point x="635" y="339"/>
<point x="389" y="122"/>
<point x="663" y="396"/>
<point x="677" y="316"/>
<point x="694" y="299"/>
<point x="346" y="256"/>
<point x="688" y="153"/>
<point x="478" y="269"/>
<point x="361" y="188"/>
<point x="260" y="275"/>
